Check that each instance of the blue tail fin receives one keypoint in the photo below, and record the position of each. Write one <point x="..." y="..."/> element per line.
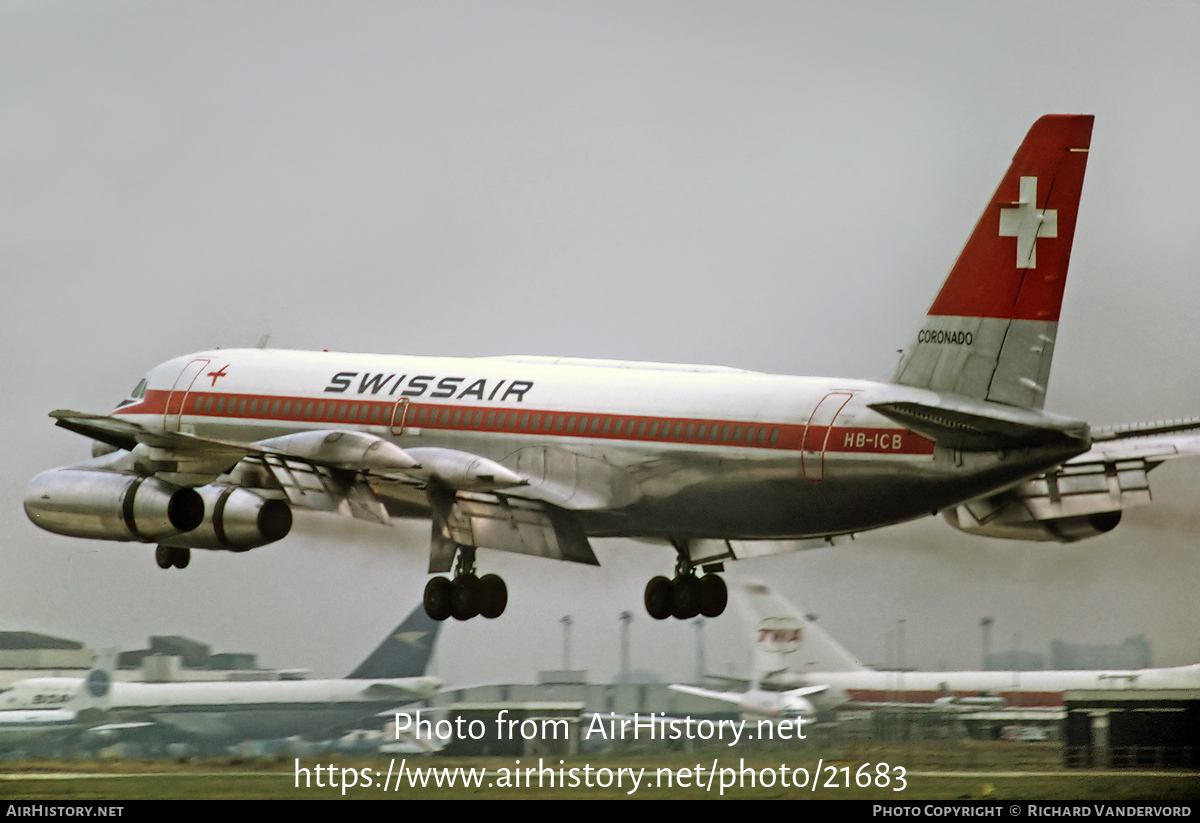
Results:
<point x="404" y="653"/>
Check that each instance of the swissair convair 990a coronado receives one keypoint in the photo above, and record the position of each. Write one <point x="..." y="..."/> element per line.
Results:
<point x="536" y="455"/>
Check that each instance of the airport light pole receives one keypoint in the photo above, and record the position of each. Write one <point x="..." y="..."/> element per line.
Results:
<point x="699" y="624"/>
<point x="626" y="618"/>
<point x="566" y="623"/>
<point x="986" y="625"/>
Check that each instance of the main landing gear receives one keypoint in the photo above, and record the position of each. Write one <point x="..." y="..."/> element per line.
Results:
<point x="168" y="556"/>
<point x="686" y="595"/>
<point x="466" y="595"/>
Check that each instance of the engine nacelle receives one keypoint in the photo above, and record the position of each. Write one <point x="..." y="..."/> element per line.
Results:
<point x="236" y="519"/>
<point x="1060" y="529"/>
<point x="107" y="505"/>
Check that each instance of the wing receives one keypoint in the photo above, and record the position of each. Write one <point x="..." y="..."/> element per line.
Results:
<point x="470" y="498"/>
<point x="726" y="697"/>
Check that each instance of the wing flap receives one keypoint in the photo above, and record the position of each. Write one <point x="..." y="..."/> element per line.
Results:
<point x="511" y="524"/>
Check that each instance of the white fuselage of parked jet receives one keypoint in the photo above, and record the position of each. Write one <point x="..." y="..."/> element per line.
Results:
<point x="1016" y="689"/>
<point x="224" y="710"/>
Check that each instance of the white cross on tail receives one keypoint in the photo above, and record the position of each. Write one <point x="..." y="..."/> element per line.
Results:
<point x="1027" y="223"/>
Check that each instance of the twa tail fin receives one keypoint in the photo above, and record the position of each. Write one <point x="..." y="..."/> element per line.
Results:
<point x="784" y="639"/>
<point x="990" y="333"/>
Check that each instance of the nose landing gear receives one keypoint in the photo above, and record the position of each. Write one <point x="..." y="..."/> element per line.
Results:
<point x="465" y="596"/>
<point x="168" y="556"/>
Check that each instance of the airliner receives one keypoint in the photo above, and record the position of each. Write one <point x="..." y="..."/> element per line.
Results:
<point x="222" y="712"/>
<point x="537" y="455"/>
<point x="791" y="652"/>
<point x="45" y="709"/>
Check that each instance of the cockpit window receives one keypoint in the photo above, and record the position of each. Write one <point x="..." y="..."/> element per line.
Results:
<point x="139" y="391"/>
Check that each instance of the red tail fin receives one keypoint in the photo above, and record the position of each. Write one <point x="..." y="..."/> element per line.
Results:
<point x="1015" y="263"/>
<point x="990" y="332"/>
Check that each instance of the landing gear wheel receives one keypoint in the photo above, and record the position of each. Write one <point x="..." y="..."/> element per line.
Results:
<point x="714" y="595"/>
<point x="438" y="593"/>
<point x="658" y="598"/>
<point x="464" y="597"/>
<point x="168" y="556"/>
<point x="685" y="597"/>
<point x="493" y="596"/>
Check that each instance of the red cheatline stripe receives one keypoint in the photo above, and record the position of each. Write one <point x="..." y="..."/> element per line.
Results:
<point x="1013" y="698"/>
<point x="744" y="434"/>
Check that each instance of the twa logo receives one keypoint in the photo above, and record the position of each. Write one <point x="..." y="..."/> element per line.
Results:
<point x="780" y="635"/>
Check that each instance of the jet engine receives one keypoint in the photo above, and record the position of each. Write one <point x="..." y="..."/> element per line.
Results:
<point x="1014" y="527"/>
<point x="1076" y="501"/>
<point x="235" y="519"/>
<point x="106" y="505"/>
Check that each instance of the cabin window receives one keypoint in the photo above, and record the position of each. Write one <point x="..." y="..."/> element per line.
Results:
<point x="690" y="431"/>
<point x="490" y="420"/>
<point x="242" y="406"/>
<point x="774" y="436"/>
<point x="275" y="408"/>
<point x="287" y="408"/>
<point x="254" y="407"/>
<point x="196" y="405"/>
<point x="457" y="417"/>
<point x="762" y="436"/>
<point x="654" y="429"/>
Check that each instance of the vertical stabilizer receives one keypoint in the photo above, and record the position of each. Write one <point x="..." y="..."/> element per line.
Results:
<point x="990" y="333"/>
<point x="95" y="692"/>
<point x="784" y="639"/>
<point x="404" y="653"/>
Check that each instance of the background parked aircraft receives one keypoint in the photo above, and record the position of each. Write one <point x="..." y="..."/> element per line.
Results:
<point x="790" y="650"/>
<point x="224" y="712"/>
<point x="40" y="710"/>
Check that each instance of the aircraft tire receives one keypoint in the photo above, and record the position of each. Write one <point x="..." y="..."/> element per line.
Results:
<point x="464" y="597"/>
<point x="685" y="597"/>
<point x="180" y="557"/>
<point x="437" y="598"/>
<point x="714" y="595"/>
<point x="658" y="598"/>
<point x="162" y="556"/>
<point x="493" y="596"/>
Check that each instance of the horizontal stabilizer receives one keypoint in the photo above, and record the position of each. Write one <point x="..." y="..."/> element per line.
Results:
<point x="726" y="697"/>
<point x="970" y="426"/>
<point x="1106" y="433"/>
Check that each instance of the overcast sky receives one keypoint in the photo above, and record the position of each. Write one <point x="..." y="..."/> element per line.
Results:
<point x="773" y="186"/>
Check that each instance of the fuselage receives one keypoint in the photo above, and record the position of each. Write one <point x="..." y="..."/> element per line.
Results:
<point x="217" y="709"/>
<point x="1019" y="689"/>
<point x="638" y="449"/>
